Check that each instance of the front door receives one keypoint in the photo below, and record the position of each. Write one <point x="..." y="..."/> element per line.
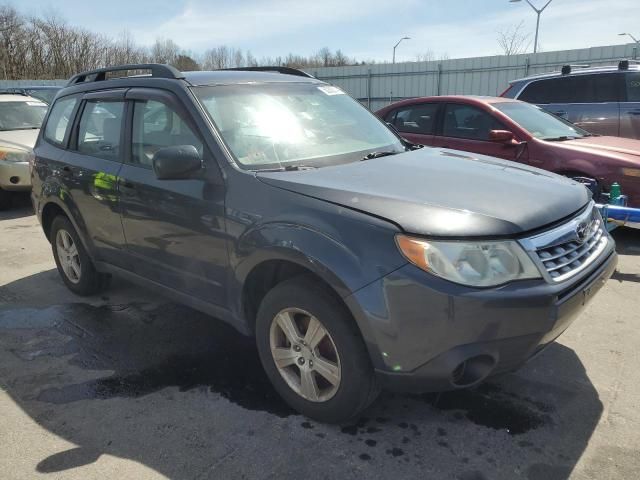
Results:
<point x="465" y="127"/>
<point x="174" y="229"/>
<point x="630" y="109"/>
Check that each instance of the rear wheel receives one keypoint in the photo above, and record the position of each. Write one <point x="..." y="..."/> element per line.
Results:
<point x="313" y="353"/>
<point x="74" y="264"/>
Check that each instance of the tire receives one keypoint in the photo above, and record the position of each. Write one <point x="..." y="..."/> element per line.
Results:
<point x="5" y="199"/>
<point x="303" y="299"/>
<point x="82" y="279"/>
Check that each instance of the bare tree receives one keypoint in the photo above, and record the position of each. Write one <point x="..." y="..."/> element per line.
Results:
<point x="35" y="47"/>
<point x="513" y="40"/>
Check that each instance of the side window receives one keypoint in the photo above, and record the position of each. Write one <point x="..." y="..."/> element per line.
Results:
<point x="633" y="87"/>
<point x="59" y="120"/>
<point x="155" y="126"/>
<point x="465" y="121"/>
<point x="100" y="129"/>
<point x="420" y="119"/>
<point x="573" y="89"/>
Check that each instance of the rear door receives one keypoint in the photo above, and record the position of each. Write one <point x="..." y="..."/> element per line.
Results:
<point x="466" y="127"/>
<point x="591" y="101"/>
<point x="174" y="229"/>
<point x="630" y="108"/>
<point x="90" y="167"/>
<point x="415" y="122"/>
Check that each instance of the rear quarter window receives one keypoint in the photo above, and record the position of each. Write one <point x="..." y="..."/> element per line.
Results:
<point x="59" y="120"/>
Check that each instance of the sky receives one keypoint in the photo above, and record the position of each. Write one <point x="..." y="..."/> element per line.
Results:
<point x="365" y="29"/>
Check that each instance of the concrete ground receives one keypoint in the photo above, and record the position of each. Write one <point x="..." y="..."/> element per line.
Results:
<point x="126" y="385"/>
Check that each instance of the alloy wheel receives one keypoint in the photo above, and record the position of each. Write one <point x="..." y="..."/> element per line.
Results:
<point x="305" y="354"/>
<point x="68" y="256"/>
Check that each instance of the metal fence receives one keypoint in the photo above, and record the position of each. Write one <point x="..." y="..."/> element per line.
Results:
<point x="378" y="85"/>
<point x="28" y="83"/>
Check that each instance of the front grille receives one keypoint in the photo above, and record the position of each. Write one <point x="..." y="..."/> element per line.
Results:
<point x="570" y="248"/>
<point x="562" y="261"/>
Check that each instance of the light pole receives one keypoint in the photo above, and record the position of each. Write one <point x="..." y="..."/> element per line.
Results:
<point x="629" y="35"/>
<point x="538" y="12"/>
<point x="396" y="45"/>
<point x="635" y="50"/>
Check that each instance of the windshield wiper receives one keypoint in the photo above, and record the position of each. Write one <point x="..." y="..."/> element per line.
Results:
<point x="560" y="139"/>
<point x="372" y="155"/>
<point x="287" y="168"/>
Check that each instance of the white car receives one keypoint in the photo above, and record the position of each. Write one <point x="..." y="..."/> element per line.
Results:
<point x="20" y="120"/>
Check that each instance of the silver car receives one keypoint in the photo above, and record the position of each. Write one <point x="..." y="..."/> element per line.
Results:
<point x="20" y="120"/>
<point x="601" y="100"/>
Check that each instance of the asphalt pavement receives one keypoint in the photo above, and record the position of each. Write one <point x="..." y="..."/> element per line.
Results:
<point x="127" y="385"/>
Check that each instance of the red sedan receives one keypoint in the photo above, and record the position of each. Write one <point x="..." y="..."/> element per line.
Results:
<point x="518" y="131"/>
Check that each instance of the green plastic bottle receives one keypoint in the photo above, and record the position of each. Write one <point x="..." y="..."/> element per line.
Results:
<point x="614" y="193"/>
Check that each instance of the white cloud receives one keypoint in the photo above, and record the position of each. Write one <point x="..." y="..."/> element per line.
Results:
<point x="201" y="25"/>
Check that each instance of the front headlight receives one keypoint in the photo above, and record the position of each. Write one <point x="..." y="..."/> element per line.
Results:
<point x="10" y="154"/>
<point x="477" y="264"/>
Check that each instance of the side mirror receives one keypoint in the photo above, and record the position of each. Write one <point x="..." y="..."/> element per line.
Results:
<point x="177" y="162"/>
<point x="502" y="136"/>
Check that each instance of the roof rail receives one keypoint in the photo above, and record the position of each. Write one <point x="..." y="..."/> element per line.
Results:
<point x="157" y="70"/>
<point x="624" y="64"/>
<point x="283" y="70"/>
<point x="566" y="69"/>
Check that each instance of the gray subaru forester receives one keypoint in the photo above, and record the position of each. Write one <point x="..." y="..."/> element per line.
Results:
<point x="280" y="205"/>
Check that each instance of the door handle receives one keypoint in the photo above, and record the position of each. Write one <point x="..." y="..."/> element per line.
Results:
<point x="634" y="112"/>
<point x="66" y="171"/>
<point x="560" y="113"/>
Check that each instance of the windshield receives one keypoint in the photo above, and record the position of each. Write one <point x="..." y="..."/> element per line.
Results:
<point x="540" y="123"/>
<point x="21" y="115"/>
<point x="282" y="125"/>
<point x="44" y="94"/>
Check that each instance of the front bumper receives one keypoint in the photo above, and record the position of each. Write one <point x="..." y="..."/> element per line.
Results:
<point x="420" y="329"/>
<point x="14" y="176"/>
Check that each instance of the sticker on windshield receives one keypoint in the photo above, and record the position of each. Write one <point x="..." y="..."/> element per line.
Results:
<point x="331" y="90"/>
<point x="36" y="104"/>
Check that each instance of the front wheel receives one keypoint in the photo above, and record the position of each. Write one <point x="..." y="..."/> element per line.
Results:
<point x="313" y="353"/>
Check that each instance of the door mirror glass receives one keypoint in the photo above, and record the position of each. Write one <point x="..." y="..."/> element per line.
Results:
<point x="503" y="136"/>
<point x="176" y="162"/>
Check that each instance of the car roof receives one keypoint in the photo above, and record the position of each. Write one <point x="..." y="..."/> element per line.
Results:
<point x="577" y="70"/>
<point x="10" y="97"/>
<point x="471" y="99"/>
<point x="228" y="77"/>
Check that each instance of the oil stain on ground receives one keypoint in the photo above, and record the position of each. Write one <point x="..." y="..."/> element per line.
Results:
<point x="489" y="406"/>
<point x="149" y="350"/>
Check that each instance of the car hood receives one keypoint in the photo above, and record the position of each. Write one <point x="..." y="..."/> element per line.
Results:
<point x="443" y="193"/>
<point x="25" y="139"/>
<point x="613" y="146"/>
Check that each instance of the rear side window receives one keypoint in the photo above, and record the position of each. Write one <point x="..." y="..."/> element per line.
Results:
<point x="100" y="128"/>
<point x="465" y="121"/>
<point x="598" y="88"/>
<point x="633" y="87"/>
<point x="156" y="126"/>
<point x="420" y="119"/>
<point x="59" y="120"/>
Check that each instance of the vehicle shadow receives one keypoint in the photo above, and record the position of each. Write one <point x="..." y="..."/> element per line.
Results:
<point x="185" y="395"/>
<point x="20" y="207"/>
<point x="627" y="240"/>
